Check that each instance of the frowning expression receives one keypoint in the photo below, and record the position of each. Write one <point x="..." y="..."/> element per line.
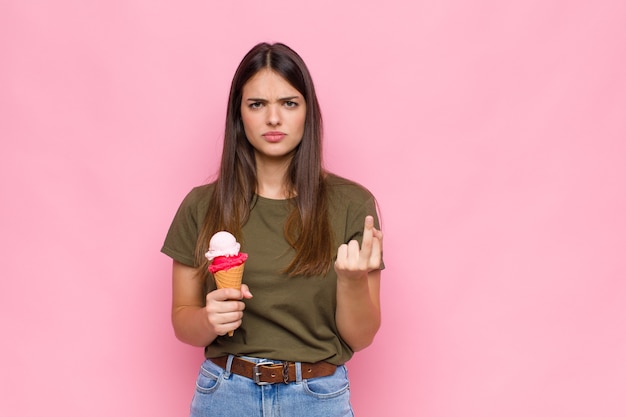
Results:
<point x="273" y="113"/>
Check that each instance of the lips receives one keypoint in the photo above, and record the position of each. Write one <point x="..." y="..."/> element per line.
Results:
<point x="274" y="136"/>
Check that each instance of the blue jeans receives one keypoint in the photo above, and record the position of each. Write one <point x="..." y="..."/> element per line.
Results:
<point x="220" y="393"/>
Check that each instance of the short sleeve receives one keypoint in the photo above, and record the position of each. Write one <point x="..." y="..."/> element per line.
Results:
<point x="357" y="212"/>
<point x="351" y="203"/>
<point x="180" y="242"/>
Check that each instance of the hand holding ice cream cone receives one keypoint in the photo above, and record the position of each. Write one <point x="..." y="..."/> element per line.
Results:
<point x="227" y="263"/>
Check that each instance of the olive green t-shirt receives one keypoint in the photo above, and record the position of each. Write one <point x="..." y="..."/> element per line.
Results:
<point x="289" y="319"/>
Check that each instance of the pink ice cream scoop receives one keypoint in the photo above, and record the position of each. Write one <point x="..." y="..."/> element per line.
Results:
<point x="224" y="252"/>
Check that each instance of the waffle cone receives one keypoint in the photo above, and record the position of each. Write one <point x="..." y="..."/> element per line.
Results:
<point x="229" y="278"/>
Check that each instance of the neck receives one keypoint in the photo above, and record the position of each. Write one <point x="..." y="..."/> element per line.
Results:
<point x="271" y="178"/>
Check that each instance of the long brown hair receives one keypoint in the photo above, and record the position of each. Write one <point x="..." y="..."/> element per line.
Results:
<point x="307" y="228"/>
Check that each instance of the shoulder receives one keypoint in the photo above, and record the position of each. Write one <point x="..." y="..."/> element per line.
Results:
<point x="347" y="190"/>
<point x="197" y="201"/>
<point x="200" y="194"/>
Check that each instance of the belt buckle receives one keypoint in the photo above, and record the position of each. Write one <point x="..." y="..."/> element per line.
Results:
<point x="256" y="374"/>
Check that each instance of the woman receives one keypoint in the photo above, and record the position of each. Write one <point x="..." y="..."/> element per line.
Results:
<point x="308" y="314"/>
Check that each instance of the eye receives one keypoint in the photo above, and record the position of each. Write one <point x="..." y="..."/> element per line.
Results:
<point x="255" y="105"/>
<point x="291" y="104"/>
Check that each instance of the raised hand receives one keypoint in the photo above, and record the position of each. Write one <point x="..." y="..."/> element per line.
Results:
<point x="354" y="262"/>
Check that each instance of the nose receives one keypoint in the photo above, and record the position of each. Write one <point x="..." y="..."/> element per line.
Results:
<point x="273" y="116"/>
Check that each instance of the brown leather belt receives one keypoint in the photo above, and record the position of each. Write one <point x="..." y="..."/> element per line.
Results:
<point x="270" y="373"/>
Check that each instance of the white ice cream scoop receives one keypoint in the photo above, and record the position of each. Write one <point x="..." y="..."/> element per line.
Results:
<point x="222" y="244"/>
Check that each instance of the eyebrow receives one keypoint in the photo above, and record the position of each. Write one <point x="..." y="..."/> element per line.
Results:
<point x="263" y="100"/>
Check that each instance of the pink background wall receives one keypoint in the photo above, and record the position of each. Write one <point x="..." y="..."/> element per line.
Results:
<point x="493" y="133"/>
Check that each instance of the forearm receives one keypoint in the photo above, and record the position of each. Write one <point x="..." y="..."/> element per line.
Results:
<point x="191" y="326"/>
<point x="189" y="317"/>
<point x="358" y="310"/>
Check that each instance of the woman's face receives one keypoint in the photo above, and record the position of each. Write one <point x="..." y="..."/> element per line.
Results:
<point x="273" y="114"/>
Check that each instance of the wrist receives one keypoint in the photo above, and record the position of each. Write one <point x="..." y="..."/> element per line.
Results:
<point x="353" y="282"/>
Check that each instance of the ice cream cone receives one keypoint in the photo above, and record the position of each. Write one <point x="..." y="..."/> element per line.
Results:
<point x="229" y="278"/>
